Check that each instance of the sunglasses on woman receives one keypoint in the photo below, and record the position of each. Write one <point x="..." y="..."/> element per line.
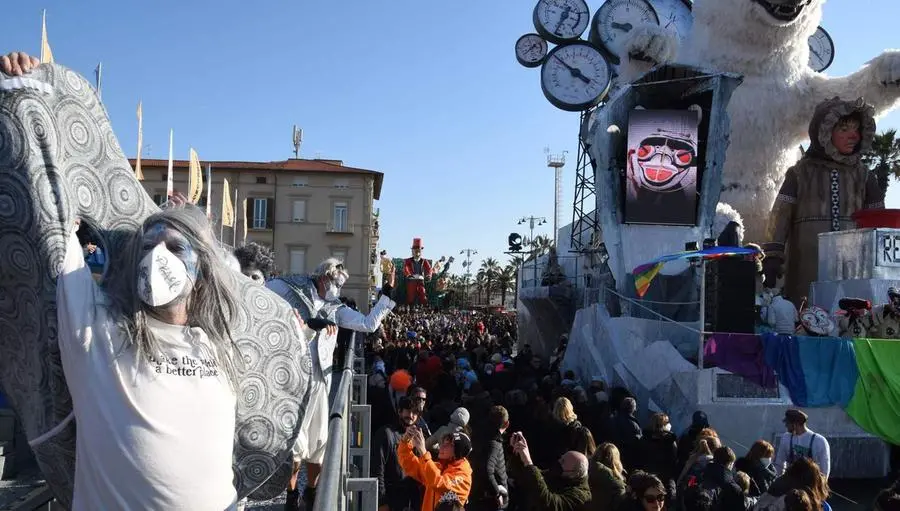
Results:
<point x="649" y="499"/>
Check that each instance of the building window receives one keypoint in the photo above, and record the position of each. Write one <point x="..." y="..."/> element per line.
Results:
<point x="340" y="254"/>
<point x="261" y="180"/>
<point x="342" y="183"/>
<point x="339" y="221"/>
<point x="298" y="260"/>
<point x="260" y="212"/>
<point x="300" y="182"/>
<point x="299" y="210"/>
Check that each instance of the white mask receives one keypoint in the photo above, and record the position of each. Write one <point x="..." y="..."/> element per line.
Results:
<point x="667" y="427"/>
<point x="162" y="277"/>
<point x="765" y="461"/>
<point x="333" y="289"/>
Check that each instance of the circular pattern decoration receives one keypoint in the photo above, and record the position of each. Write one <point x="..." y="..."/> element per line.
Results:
<point x="281" y="370"/>
<point x="306" y="364"/>
<point x="128" y="194"/>
<point x="277" y="334"/>
<point x="12" y="143"/>
<point x="88" y="191"/>
<point x="285" y="413"/>
<point x="260" y="300"/>
<point x="79" y="131"/>
<point x="16" y="206"/>
<point x="251" y="352"/>
<point x="257" y="468"/>
<point x="17" y="260"/>
<point x="256" y="433"/>
<point x="254" y="392"/>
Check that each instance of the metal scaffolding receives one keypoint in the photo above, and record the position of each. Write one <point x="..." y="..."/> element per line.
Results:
<point x="584" y="218"/>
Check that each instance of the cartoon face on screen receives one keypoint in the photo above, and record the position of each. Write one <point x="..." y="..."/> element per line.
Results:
<point x="662" y="161"/>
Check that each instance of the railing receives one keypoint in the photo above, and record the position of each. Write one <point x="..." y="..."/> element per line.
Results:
<point x="345" y="470"/>
<point x="340" y="227"/>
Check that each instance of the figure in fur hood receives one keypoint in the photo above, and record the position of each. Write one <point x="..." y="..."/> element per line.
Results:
<point x="821" y="192"/>
<point x="459" y="420"/>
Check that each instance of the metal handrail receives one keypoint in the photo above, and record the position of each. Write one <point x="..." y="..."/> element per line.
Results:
<point x="329" y="491"/>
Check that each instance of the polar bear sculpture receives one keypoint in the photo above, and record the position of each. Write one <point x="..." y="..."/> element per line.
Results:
<point x="767" y="43"/>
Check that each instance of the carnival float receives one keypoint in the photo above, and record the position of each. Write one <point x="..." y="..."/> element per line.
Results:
<point x="691" y="116"/>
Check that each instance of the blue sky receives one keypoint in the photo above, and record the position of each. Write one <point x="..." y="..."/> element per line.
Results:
<point x="428" y="92"/>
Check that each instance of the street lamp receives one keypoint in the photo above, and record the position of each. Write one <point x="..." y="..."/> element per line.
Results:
<point x="467" y="264"/>
<point x="533" y="221"/>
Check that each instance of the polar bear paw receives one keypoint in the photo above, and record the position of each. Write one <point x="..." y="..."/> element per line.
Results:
<point x="887" y="68"/>
<point x="653" y="44"/>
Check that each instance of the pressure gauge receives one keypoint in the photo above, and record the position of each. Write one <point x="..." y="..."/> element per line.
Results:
<point x="561" y="21"/>
<point x="615" y="19"/>
<point x="676" y="16"/>
<point x="821" y="50"/>
<point x="531" y="50"/>
<point x="575" y="76"/>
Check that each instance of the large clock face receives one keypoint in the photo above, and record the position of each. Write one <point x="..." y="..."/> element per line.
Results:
<point x="616" y="19"/>
<point x="676" y="16"/>
<point x="575" y="76"/>
<point x="817" y="321"/>
<point x="560" y="21"/>
<point x="821" y="50"/>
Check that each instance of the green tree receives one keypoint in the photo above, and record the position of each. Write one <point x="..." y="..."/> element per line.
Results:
<point x="884" y="159"/>
<point x="490" y="269"/>
<point x="506" y="280"/>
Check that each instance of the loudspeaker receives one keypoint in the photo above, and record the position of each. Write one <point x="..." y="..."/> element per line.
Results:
<point x="731" y="296"/>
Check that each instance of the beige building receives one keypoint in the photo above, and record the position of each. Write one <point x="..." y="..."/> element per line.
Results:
<point x="306" y="210"/>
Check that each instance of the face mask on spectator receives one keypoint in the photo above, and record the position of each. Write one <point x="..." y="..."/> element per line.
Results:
<point x="765" y="461"/>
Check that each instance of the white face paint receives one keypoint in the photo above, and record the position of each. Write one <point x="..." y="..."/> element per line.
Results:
<point x="667" y="427"/>
<point x="162" y="277"/>
<point x="333" y="289"/>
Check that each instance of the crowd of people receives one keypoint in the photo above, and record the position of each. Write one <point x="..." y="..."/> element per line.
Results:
<point x="463" y="421"/>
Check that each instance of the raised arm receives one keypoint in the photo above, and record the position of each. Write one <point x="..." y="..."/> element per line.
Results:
<point x="354" y="320"/>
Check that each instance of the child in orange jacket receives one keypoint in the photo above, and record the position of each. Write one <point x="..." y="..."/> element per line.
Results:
<point x="450" y="473"/>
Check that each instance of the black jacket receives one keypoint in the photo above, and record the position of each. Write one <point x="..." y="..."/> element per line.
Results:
<point x="394" y="488"/>
<point x="760" y="477"/>
<point x="719" y="481"/>
<point x="627" y="436"/>
<point x="488" y="468"/>
<point x="659" y="455"/>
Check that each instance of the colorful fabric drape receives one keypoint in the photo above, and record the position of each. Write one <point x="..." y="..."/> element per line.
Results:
<point x="645" y="273"/>
<point x="817" y="371"/>
<point x="742" y="354"/>
<point x="876" y="402"/>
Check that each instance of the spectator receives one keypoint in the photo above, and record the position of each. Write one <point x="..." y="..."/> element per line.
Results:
<point x="645" y="493"/>
<point x="718" y="481"/>
<point x="606" y="478"/>
<point x="627" y="433"/>
<point x="758" y="465"/>
<point x="450" y="502"/>
<point x="451" y="473"/>
<point x="801" y="442"/>
<point x="743" y="480"/>
<point x="888" y="499"/>
<point x="799" y="500"/>
<point x="659" y="451"/>
<point x="419" y="397"/>
<point x="489" y="484"/>
<point x="563" y="488"/>
<point x="459" y="421"/>
<point x="565" y="428"/>
<point x="396" y="491"/>
<point x="688" y="439"/>
<point x="802" y="474"/>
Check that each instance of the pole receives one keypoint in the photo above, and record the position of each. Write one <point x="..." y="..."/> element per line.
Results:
<point x="234" y="216"/>
<point x="702" y="312"/>
<point x="99" y="75"/>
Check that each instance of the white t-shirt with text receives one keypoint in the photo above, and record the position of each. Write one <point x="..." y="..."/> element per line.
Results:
<point x="151" y="434"/>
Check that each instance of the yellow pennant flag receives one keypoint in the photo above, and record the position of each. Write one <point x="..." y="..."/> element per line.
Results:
<point x="46" y="54"/>
<point x="137" y="165"/>
<point x="227" y="207"/>
<point x="196" y="178"/>
<point x="246" y="220"/>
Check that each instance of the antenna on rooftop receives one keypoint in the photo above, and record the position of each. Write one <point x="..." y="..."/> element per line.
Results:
<point x="298" y="140"/>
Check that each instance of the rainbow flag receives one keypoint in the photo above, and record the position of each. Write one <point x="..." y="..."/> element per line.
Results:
<point x="645" y="273"/>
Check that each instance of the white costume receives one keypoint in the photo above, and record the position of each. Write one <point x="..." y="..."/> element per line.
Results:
<point x="302" y="294"/>
<point x="770" y="111"/>
<point x="153" y="434"/>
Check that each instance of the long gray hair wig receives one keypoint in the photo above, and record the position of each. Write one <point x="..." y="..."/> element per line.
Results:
<point x="212" y="303"/>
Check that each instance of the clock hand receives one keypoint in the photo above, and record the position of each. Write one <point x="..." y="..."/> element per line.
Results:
<point x="624" y="28"/>
<point x="814" y="52"/>
<point x="563" y="18"/>
<point x="576" y="73"/>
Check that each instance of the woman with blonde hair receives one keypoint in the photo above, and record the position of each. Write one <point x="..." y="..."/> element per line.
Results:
<point x="692" y="474"/>
<point x="606" y="477"/>
<point x="569" y="433"/>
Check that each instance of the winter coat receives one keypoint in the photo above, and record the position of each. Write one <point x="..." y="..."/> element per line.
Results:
<point x="394" y="488"/>
<point x="820" y="194"/>
<point x="607" y="491"/>
<point x="627" y="435"/>
<point x="659" y="455"/>
<point x="557" y="494"/>
<point x="489" y="468"/>
<point x="760" y="477"/>
<point x="436" y="476"/>
<point x="719" y="481"/>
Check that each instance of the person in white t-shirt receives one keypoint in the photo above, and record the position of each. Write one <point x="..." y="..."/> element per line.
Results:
<point x="148" y="360"/>
<point x="801" y="442"/>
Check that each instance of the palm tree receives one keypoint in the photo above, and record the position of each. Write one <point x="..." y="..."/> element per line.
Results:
<point x="480" y="284"/>
<point x="884" y="158"/>
<point x="491" y="270"/>
<point x="506" y="280"/>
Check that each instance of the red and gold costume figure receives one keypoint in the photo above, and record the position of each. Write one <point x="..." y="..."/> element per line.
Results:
<point x="417" y="271"/>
